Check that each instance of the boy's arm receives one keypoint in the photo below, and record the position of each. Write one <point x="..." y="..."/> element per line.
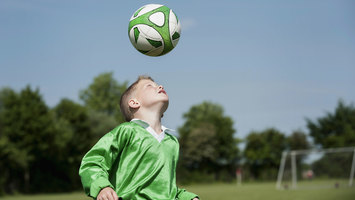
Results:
<point x="185" y="195"/>
<point x="96" y="164"/>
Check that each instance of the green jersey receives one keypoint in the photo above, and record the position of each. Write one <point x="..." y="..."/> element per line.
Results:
<point x="134" y="163"/>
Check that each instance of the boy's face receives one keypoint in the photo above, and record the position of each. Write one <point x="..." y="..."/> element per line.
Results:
<point x="150" y="94"/>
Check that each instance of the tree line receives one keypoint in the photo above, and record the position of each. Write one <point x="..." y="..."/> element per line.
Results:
<point x="41" y="147"/>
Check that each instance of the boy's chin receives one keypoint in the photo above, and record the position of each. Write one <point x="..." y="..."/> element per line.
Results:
<point x="164" y="100"/>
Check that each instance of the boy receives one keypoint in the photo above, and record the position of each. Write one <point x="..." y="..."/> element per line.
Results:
<point x="137" y="159"/>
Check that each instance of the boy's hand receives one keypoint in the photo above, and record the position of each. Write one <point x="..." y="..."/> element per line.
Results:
<point x="107" y="194"/>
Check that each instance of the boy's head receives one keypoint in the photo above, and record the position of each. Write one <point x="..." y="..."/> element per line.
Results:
<point x="143" y="93"/>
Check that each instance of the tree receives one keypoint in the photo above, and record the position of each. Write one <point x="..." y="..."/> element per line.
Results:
<point x="333" y="165"/>
<point x="75" y="138"/>
<point x="29" y="132"/>
<point x="335" y="129"/>
<point x="200" y="145"/>
<point x="207" y="127"/>
<point x="297" y="140"/>
<point x="77" y="118"/>
<point x="100" y="124"/>
<point x="11" y="157"/>
<point x="41" y="148"/>
<point x="103" y="95"/>
<point x="263" y="152"/>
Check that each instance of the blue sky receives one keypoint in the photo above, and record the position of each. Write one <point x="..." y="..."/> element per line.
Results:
<point x="268" y="63"/>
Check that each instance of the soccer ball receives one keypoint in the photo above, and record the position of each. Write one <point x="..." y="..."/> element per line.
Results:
<point x="154" y="30"/>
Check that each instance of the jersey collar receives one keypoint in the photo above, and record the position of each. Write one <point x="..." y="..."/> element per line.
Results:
<point x="147" y="127"/>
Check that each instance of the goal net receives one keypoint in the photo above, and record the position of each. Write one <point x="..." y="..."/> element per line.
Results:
<point x="317" y="168"/>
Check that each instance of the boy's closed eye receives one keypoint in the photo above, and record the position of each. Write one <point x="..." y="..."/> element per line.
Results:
<point x="152" y="85"/>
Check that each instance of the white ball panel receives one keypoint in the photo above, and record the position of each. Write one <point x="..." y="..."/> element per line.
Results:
<point x="143" y="44"/>
<point x="174" y="26"/>
<point x="131" y="36"/>
<point x="146" y="32"/>
<point x="157" y="18"/>
<point x="156" y="51"/>
<point x="172" y="22"/>
<point x="145" y="9"/>
<point x="179" y="31"/>
<point x="149" y="32"/>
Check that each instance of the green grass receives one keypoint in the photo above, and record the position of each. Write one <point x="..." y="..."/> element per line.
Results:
<point x="267" y="191"/>
<point x="66" y="196"/>
<point x="248" y="191"/>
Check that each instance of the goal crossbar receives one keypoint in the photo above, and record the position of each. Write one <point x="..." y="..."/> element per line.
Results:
<point x="293" y="154"/>
<point x="329" y="150"/>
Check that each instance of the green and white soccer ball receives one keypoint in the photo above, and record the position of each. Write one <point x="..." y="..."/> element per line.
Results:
<point x="154" y="30"/>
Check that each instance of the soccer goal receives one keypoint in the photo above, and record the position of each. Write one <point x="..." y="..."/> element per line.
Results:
<point x="333" y="167"/>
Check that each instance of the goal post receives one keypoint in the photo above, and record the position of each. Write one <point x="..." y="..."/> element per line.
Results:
<point x="292" y="160"/>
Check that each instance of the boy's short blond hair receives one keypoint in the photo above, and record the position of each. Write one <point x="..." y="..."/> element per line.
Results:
<point x="127" y="111"/>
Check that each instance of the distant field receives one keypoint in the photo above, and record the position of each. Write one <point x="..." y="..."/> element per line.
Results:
<point x="267" y="191"/>
<point x="249" y="191"/>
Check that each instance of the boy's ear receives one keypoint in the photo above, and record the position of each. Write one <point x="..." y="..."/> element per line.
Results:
<point x="134" y="103"/>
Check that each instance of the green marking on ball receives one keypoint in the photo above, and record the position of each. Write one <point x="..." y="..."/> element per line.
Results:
<point x="154" y="43"/>
<point x="136" y="34"/>
<point x="176" y="36"/>
<point x="143" y="52"/>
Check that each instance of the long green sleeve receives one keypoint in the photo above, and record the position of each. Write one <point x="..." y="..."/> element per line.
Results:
<point x="97" y="162"/>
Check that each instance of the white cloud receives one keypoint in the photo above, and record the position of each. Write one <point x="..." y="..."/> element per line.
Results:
<point x="188" y="23"/>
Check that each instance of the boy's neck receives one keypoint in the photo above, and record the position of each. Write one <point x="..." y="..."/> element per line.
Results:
<point x="153" y="119"/>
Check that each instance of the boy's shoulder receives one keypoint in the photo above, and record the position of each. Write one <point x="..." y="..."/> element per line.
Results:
<point x="129" y="126"/>
<point x="124" y="130"/>
<point x="125" y="125"/>
<point x="171" y="135"/>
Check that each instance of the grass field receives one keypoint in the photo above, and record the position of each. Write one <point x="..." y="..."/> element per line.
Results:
<point x="249" y="191"/>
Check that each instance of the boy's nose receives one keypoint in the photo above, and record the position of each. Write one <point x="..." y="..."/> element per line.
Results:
<point x="161" y="87"/>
